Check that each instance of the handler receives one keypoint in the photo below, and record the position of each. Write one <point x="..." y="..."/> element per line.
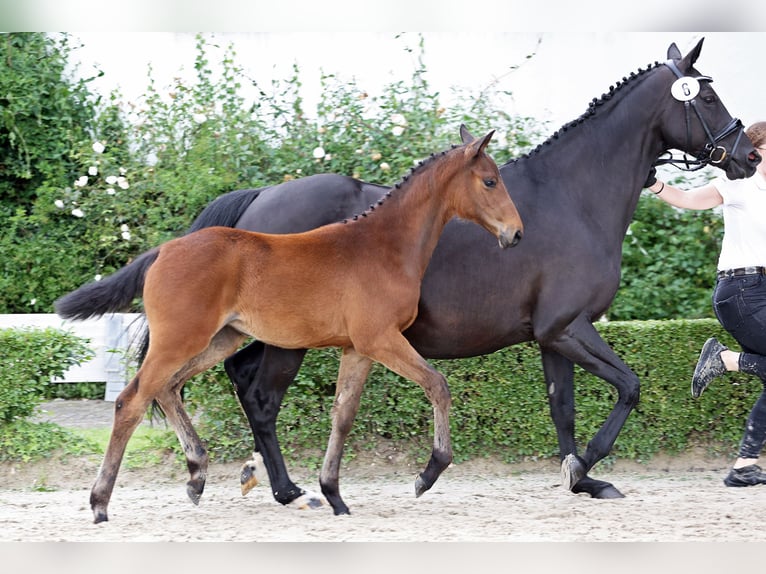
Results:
<point x="739" y="297"/>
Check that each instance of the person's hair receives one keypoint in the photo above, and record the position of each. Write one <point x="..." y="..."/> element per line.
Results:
<point x="757" y="133"/>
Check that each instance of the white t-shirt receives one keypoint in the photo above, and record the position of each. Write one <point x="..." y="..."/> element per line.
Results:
<point x="744" y="216"/>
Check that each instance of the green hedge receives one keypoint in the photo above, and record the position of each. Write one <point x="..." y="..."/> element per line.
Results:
<point x="30" y="358"/>
<point x="499" y="402"/>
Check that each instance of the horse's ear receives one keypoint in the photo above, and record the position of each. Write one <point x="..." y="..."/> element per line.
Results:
<point x="692" y="56"/>
<point x="673" y="52"/>
<point x="465" y="135"/>
<point x="477" y="146"/>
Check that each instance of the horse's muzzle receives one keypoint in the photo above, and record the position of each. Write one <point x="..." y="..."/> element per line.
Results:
<point x="509" y="239"/>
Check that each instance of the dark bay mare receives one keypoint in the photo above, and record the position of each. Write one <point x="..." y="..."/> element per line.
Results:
<point x="576" y="193"/>
<point x="352" y="284"/>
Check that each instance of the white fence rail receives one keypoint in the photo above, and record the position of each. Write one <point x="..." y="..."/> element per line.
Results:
<point x="109" y="338"/>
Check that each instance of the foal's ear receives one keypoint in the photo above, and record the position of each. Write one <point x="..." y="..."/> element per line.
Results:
<point x="477" y="146"/>
<point x="465" y="135"/>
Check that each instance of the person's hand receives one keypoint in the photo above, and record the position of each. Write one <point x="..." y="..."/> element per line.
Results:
<point x="651" y="179"/>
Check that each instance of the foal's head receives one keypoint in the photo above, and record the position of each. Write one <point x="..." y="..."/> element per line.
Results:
<point x="481" y="195"/>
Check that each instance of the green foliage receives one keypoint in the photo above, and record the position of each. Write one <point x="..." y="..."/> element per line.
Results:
<point x="500" y="403"/>
<point x="669" y="263"/>
<point x="30" y="358"/>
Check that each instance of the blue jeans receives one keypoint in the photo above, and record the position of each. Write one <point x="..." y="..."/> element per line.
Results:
<point x="740" y="305"/>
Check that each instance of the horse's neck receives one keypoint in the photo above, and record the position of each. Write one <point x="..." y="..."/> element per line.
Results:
<point x="412" y="218"/>
<point x="599" y="165"/>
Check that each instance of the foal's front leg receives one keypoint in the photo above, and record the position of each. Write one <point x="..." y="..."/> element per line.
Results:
<point x="399" y="356"/>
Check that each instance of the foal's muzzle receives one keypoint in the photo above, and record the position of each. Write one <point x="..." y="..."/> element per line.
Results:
<point x="509" y="239"/>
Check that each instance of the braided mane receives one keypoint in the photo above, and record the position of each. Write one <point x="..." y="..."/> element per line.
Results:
<point x="592" y="109"/>
<point x="421" y="166"/>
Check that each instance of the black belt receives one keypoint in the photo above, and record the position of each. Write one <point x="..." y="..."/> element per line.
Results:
<point x="740" y="271"/>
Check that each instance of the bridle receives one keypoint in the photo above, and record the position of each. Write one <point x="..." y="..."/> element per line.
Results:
<point x="712" y="153"/>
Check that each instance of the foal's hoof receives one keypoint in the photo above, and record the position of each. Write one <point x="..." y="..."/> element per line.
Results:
<point x="194" y="489"/>
<point x="572" y="470"/>
<point x="247" y="478"/>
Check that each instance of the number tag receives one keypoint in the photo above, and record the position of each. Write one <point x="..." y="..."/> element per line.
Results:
<point x="685" y="89"/>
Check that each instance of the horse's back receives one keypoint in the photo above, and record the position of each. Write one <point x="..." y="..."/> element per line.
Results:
<point x="303" y="204"/>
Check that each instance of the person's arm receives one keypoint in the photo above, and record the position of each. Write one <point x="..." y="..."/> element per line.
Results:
<point x="705" y="197"/>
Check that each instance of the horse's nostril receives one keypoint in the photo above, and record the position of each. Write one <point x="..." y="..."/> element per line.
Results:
<point x="754" y="156"/>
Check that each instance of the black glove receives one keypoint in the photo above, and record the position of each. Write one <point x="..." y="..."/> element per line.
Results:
<point x="651" y="179"/>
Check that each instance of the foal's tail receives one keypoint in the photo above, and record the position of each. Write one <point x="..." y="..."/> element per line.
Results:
<point x="110" y="295"/>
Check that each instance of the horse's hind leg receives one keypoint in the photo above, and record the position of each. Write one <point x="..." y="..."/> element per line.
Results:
<point x="352" y="374"/>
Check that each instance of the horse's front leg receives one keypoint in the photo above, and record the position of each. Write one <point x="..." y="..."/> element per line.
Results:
<point x="261" y="375"/>
<point x="352" y="375"/>
<point x="581" y="343"/>
<point x="559" y="380"/>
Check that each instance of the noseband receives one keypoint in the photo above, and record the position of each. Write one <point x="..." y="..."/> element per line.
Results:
<point x="712" y="153"/>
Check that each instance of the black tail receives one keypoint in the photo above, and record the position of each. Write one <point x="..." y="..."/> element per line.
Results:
<point x="225" y="210"/>
<point x="110" y="295"/>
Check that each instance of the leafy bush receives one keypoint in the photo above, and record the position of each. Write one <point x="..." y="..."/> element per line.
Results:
<point x="31" y="357"/>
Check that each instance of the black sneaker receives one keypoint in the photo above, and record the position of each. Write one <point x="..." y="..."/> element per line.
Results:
<point x="745" y="476"/>
<point x="709" y="366"/>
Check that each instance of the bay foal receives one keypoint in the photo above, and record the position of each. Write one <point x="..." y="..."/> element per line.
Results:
<point x="353" y="284"/>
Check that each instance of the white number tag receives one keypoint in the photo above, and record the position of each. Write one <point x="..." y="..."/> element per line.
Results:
<point x="685" y="89"/>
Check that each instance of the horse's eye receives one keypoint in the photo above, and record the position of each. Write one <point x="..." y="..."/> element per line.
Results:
<point x="490" y="182"/>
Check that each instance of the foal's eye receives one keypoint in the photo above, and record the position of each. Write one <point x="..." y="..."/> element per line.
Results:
<point x="490" y="182"/>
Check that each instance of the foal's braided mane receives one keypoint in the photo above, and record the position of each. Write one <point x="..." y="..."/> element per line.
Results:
<point x="421" y="166"/>
<point x="592" y="109"/>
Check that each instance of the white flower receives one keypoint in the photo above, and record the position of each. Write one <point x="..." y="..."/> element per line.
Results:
<point x="82" y="182"/>
<point x="111" y="179"/>
<point x="93" y="170"/>
<point x="122" y="183"/>
<point x="59" y="203"/>
<point x="397" y="130"/>
<point x="97" y="277"/>
<point x="199" y="118"/>
<point x="124" y="227"/>
<point x="110" y="191"/>
<point x="123" y="171"/>
<point x="399" y="120"/>
<point x="77" y="212"/>
<point x="384" y="166"/>
<point x="32" y="301"/>
<point x="126" y="235"/>
<point x="98" y="147"/>
<point x="318" y="152"/>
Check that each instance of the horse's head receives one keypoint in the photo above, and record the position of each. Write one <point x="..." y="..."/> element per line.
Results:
<point x="696" y="122"/>
<point x="483" y="197"/>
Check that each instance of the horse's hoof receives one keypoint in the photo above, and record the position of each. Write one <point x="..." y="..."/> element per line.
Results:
<point x="608" y="492"/>
<point x="194" y="489"/>
<point x="247" y="478"/>
<point x="308" y="501"/>
<point x="420" y="486"/>
<point x="572" y="470"/>
<point x="99" y="516"/>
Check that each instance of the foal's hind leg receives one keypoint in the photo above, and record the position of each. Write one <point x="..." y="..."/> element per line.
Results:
<point x="129" y="410"/>
<point x="223" y="344"/>
<point x="352" y="374"/>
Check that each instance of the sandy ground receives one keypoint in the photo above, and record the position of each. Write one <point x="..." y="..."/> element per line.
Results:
<point x="678" y="500"/>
